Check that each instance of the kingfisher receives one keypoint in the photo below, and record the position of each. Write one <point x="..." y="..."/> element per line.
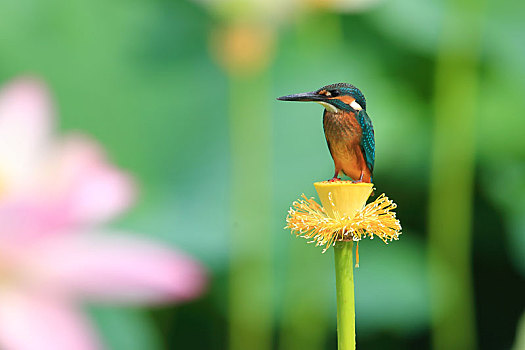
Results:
<point x="347" y="128"/>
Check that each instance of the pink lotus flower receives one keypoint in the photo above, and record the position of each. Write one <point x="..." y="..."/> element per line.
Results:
<point x="54" y="195"/>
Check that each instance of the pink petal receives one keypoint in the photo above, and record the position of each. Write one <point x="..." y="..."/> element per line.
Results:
<point x="117" y="268"/>
<point x="38" y="322"/>
<point x="25" y="127"/>
<point x="92" y="189"/>
<point x="76" y="187"/>
<point x="24" y="220"/>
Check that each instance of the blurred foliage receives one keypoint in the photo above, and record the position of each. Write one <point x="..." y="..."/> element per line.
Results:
<point x="139" y="76"/>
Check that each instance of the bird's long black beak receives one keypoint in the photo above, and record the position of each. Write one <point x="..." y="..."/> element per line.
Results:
<point x="305" y="96"/>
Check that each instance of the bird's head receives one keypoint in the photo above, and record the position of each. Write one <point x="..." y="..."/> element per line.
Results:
<point x="333" y="97"/>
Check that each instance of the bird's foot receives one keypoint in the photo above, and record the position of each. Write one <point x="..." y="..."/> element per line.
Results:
<point x="334" y="179"/>
<point x="360" y="179"/>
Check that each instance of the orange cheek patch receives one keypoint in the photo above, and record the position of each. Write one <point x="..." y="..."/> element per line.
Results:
<point x="346" y="99"/>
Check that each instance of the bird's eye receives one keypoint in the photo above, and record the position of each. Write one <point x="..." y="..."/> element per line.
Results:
<point x="334" y="93"/>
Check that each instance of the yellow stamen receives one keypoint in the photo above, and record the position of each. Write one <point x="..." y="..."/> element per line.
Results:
<point x="306" y="218"/>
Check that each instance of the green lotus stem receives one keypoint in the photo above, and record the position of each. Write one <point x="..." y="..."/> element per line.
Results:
<point x="344" y="284"/>
<point x="344" y="199"/>
<point x="452" y="177"/>
<point x="250" y="295"/>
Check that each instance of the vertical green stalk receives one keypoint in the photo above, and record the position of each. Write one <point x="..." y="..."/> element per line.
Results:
<point x="301" y="308"/>
<point x="250" y="299"/>
<point x="451" y="183"/>
<point x="344" y="282"/>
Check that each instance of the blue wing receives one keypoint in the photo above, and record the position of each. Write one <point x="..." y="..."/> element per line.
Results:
<point x="368" y="143"/>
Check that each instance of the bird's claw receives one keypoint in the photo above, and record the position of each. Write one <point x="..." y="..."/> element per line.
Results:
<point x="334" y="179"/>
<point x="358" y="181"/>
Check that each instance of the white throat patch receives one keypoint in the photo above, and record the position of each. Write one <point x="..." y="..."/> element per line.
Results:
<point x="328" y="107"/>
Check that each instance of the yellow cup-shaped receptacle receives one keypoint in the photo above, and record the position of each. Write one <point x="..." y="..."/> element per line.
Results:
<point x="346" y="197"/>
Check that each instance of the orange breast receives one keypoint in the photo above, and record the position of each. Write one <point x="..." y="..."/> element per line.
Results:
<point x="343" y="135"/>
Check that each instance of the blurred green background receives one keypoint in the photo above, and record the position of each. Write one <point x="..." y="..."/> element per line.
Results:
<point x="182" y="94"/>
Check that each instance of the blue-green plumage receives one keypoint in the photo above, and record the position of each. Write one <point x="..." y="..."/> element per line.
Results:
<point x="368" y="143"/>
<point x="348" y="129"/>
<point x="349" y="90"/>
